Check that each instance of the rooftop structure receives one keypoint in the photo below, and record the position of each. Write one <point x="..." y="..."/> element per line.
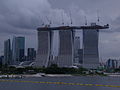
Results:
<point x="92" y="27"/>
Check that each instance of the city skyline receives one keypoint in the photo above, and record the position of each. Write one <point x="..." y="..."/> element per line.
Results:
<point x="24" y="20"/>
<point x="15" y="53"/>
<point x="59" y="44"/>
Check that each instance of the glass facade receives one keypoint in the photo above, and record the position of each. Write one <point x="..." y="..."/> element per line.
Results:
<point x="31" y="54"/>
<point x="18" y="49"/>
<point x="7" y="52"/>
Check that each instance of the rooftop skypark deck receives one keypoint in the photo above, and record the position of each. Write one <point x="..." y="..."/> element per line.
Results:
<point x="92" y="27"/>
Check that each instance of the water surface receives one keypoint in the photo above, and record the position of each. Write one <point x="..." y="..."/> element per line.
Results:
<point x="83" y="79"/>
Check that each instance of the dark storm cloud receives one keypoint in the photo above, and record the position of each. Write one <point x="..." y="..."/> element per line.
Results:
<point x="27" y="14"/>
<point x="20" y="14"/>
<point x="22" y="17"/>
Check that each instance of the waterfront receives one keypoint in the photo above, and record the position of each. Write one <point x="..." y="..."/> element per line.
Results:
<point x="115" y="81"/>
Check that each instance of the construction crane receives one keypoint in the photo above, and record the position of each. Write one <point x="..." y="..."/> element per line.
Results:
<point x="71" y="22"/>
<point x="49" y="21"/>
<point x="42" y="21"/>
<point x="98" y="17"/>
<point x="62" y="19"/>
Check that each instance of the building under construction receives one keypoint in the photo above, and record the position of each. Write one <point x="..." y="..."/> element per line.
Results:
<point x="66" y="46"/>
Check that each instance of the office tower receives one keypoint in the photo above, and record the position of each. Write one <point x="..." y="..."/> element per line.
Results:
<point x="76" y="48"/>
<point x="7" y="53"/>
<point x="44" y="48"/>
<point x="1" y="60"/>
<point x="66" y="53"/>
<point x="18" y="49"/>
<point x="112" y="64"/>
<point x="90" y="48"/>
<point x="31" y="54"/>
<point x="34" y="54"/>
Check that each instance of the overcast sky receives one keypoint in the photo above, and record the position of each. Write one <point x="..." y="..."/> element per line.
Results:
<point x="22" y="17"/>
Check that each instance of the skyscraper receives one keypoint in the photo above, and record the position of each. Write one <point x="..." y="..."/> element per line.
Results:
<point x="7" y="53"/>
<point x="18" y="49"/>
<point x="65" y="56"/>
<point x="90" y="48"/>
<point x="31" y="54"/>
<point x="44" y="48"/>
<point x="112" y="64"/>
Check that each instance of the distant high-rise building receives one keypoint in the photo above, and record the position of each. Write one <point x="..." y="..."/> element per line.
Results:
<point x="1" y="60"/>
<point x="7" y="52"/>
<point x="76" y="48"/>
<point x="31" y="54"/>
<point x="112" y="64"/>
<point x="66" y="49"/>
<point x="18" y="49"/>
<point x="90" y="48"/>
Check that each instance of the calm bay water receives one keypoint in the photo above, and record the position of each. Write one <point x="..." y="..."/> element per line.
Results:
<point x="77" y="79"/>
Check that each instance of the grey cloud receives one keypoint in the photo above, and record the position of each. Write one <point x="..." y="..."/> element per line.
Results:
<point x="28" y="14"/>
<point x="22" y="17"/>
<point x="22" y="13"/>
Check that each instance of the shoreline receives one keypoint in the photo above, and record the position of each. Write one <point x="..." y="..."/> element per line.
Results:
<point x="39" y="75"/>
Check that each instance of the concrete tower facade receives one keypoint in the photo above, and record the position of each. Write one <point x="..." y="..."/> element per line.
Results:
<point x="90" y="48"/>
<point x="44" y="48"/>
<point x="66" y="53"/>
